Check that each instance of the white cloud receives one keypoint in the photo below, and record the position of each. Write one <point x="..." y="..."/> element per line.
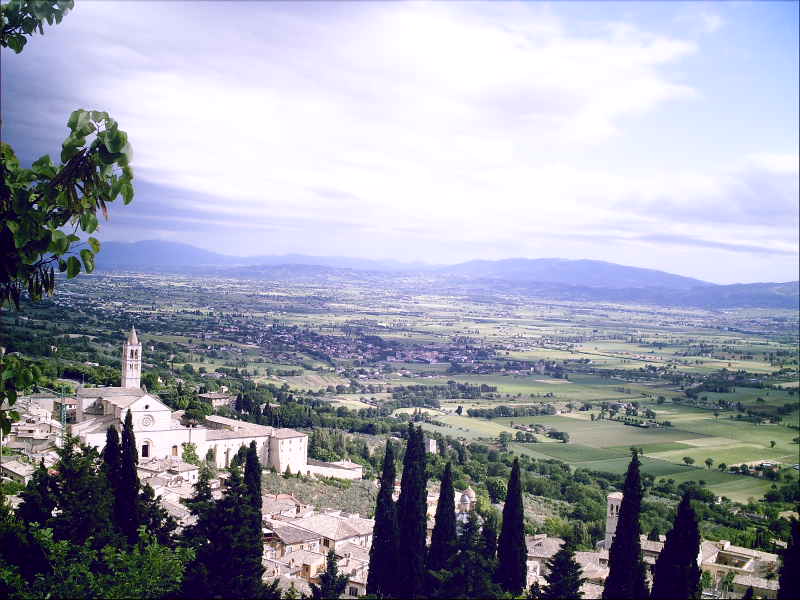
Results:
<point x="444" y="121"/>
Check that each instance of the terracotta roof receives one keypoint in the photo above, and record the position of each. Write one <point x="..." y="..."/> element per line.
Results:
<point x="289" y="534"/>
<point x="118" y="396"/>
<point x="284" y="433"/>
<point x="215" y="396"/>
<point x="18" y="468"/>
<point x="353" y="550"/>
<point x="335" y="528"/>
<point x="756" y="582"/>
<point x="542" y="546"/>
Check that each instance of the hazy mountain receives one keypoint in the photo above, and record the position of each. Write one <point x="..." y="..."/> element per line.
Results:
<point x="545" y="278"/>
<point x="586" y="273"/>
<point x="156" y="253"/>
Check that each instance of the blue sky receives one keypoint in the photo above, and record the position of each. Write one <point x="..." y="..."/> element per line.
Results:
<point x="660" y="135"/>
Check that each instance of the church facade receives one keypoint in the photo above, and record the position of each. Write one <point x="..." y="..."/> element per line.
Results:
<point x="160" y="433"/>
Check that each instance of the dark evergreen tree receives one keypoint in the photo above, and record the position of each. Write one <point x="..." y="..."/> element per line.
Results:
<point x="126" y="501"/>
<point x="563" y="578"/>
<point x="252" y="476"/>
<point x="469" y="572"/>
<point x="444" y="538"/>
<point x="489" y="534"/>
<point x="676" y="574"/>
<point x="155" y="518"/>
<point x="37" y="498"/>
<point x="331" y="584"/>
<point x="512" y="553"/>
<point x="381" y="580"/>
<point x="19" y="551"/>
<point x="789" y="581"/>
<point x="626" y="577"/>
<point x="112" y="458"/>
<point x="654" y="535"/>
<point x="748" y="595"/>
<point x="241" y="456"/>
<point x="412" y="513"/>
<point x="83" y="498"/>
<point x="228" y="560"/>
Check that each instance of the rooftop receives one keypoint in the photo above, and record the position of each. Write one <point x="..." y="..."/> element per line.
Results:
<point x="118" y="396"/>
<point x="334" y="527"/>
<point x="289" y="534"/>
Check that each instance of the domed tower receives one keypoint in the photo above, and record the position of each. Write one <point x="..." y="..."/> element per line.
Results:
<point x="132" y="361"/>
<point x="614" y="501"/>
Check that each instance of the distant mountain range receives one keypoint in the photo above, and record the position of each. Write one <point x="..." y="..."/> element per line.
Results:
<point x="157" y="253"/>
<point x="553" y="278"/>
<point x="587" y="273"/>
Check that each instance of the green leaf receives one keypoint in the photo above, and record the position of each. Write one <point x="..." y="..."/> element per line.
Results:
<point x="88" y="260"/>
<point x="115" y="140"/>
<point x="73" y="267"/>
<point x="17" y="42"/>
<point x="72" y="122"/>
<point x="62" y="265"/>
<point x="13" y="226"/>
<point x="95" y="244"/>
<point x="59" y="243"/>
<point x="127" y="192"/>
<point x="88" y="222"/>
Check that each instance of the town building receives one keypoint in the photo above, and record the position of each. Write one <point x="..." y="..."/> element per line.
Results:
<point x="160" y="432"/>
<point x="732" y="568"/>
<point x="17" y="471"/>
<point x="217" y="399"/>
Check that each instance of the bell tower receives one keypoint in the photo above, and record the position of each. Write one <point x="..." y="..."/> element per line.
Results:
<point x="614" y="503"/>
<point x="132" y="361"/>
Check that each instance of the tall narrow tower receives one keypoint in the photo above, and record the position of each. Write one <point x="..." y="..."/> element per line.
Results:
<point x="132" y="361"/>
<point x="614" y="501"/>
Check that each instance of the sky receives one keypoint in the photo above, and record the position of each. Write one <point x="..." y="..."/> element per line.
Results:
<point x="657" y="135"/>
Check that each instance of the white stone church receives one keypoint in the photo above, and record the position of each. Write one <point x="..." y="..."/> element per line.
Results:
<point x="159" y="432"/>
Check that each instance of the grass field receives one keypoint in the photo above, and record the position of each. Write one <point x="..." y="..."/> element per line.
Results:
<point x="605" y="434"/>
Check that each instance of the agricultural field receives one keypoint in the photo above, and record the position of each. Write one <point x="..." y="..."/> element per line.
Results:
<point x="727" y="381"/>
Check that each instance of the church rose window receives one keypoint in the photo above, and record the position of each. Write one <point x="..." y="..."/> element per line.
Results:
<point x="147" y="421"/>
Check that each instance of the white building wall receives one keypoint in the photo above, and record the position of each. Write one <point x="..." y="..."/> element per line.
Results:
<point x="291" y="452"/>
<point x="226" y="449"/>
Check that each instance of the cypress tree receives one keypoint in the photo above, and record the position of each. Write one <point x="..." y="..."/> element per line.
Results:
<point x="83" y="498"/>
<point x="331" y="584"/>
<point x="469" y="572"/>
<point x="512" y="553"/>
<point x="228" y="544"/>
<point x="444" y="539"/>
<point x="252" y="476"/>
<point x="383" y="552"/>
<point x="126" y="504"/>
<point x="676" y="574"/>
<point x="626" y="576"/>
<point x="153" y="516"/>
<point x="564" y="579"/>
<point x="789" y="581"/>
<point x="37" y="498"/>
<point x="112" y="458"/>
<point x="412" y="513"/>
<point x="489" y="534"/>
